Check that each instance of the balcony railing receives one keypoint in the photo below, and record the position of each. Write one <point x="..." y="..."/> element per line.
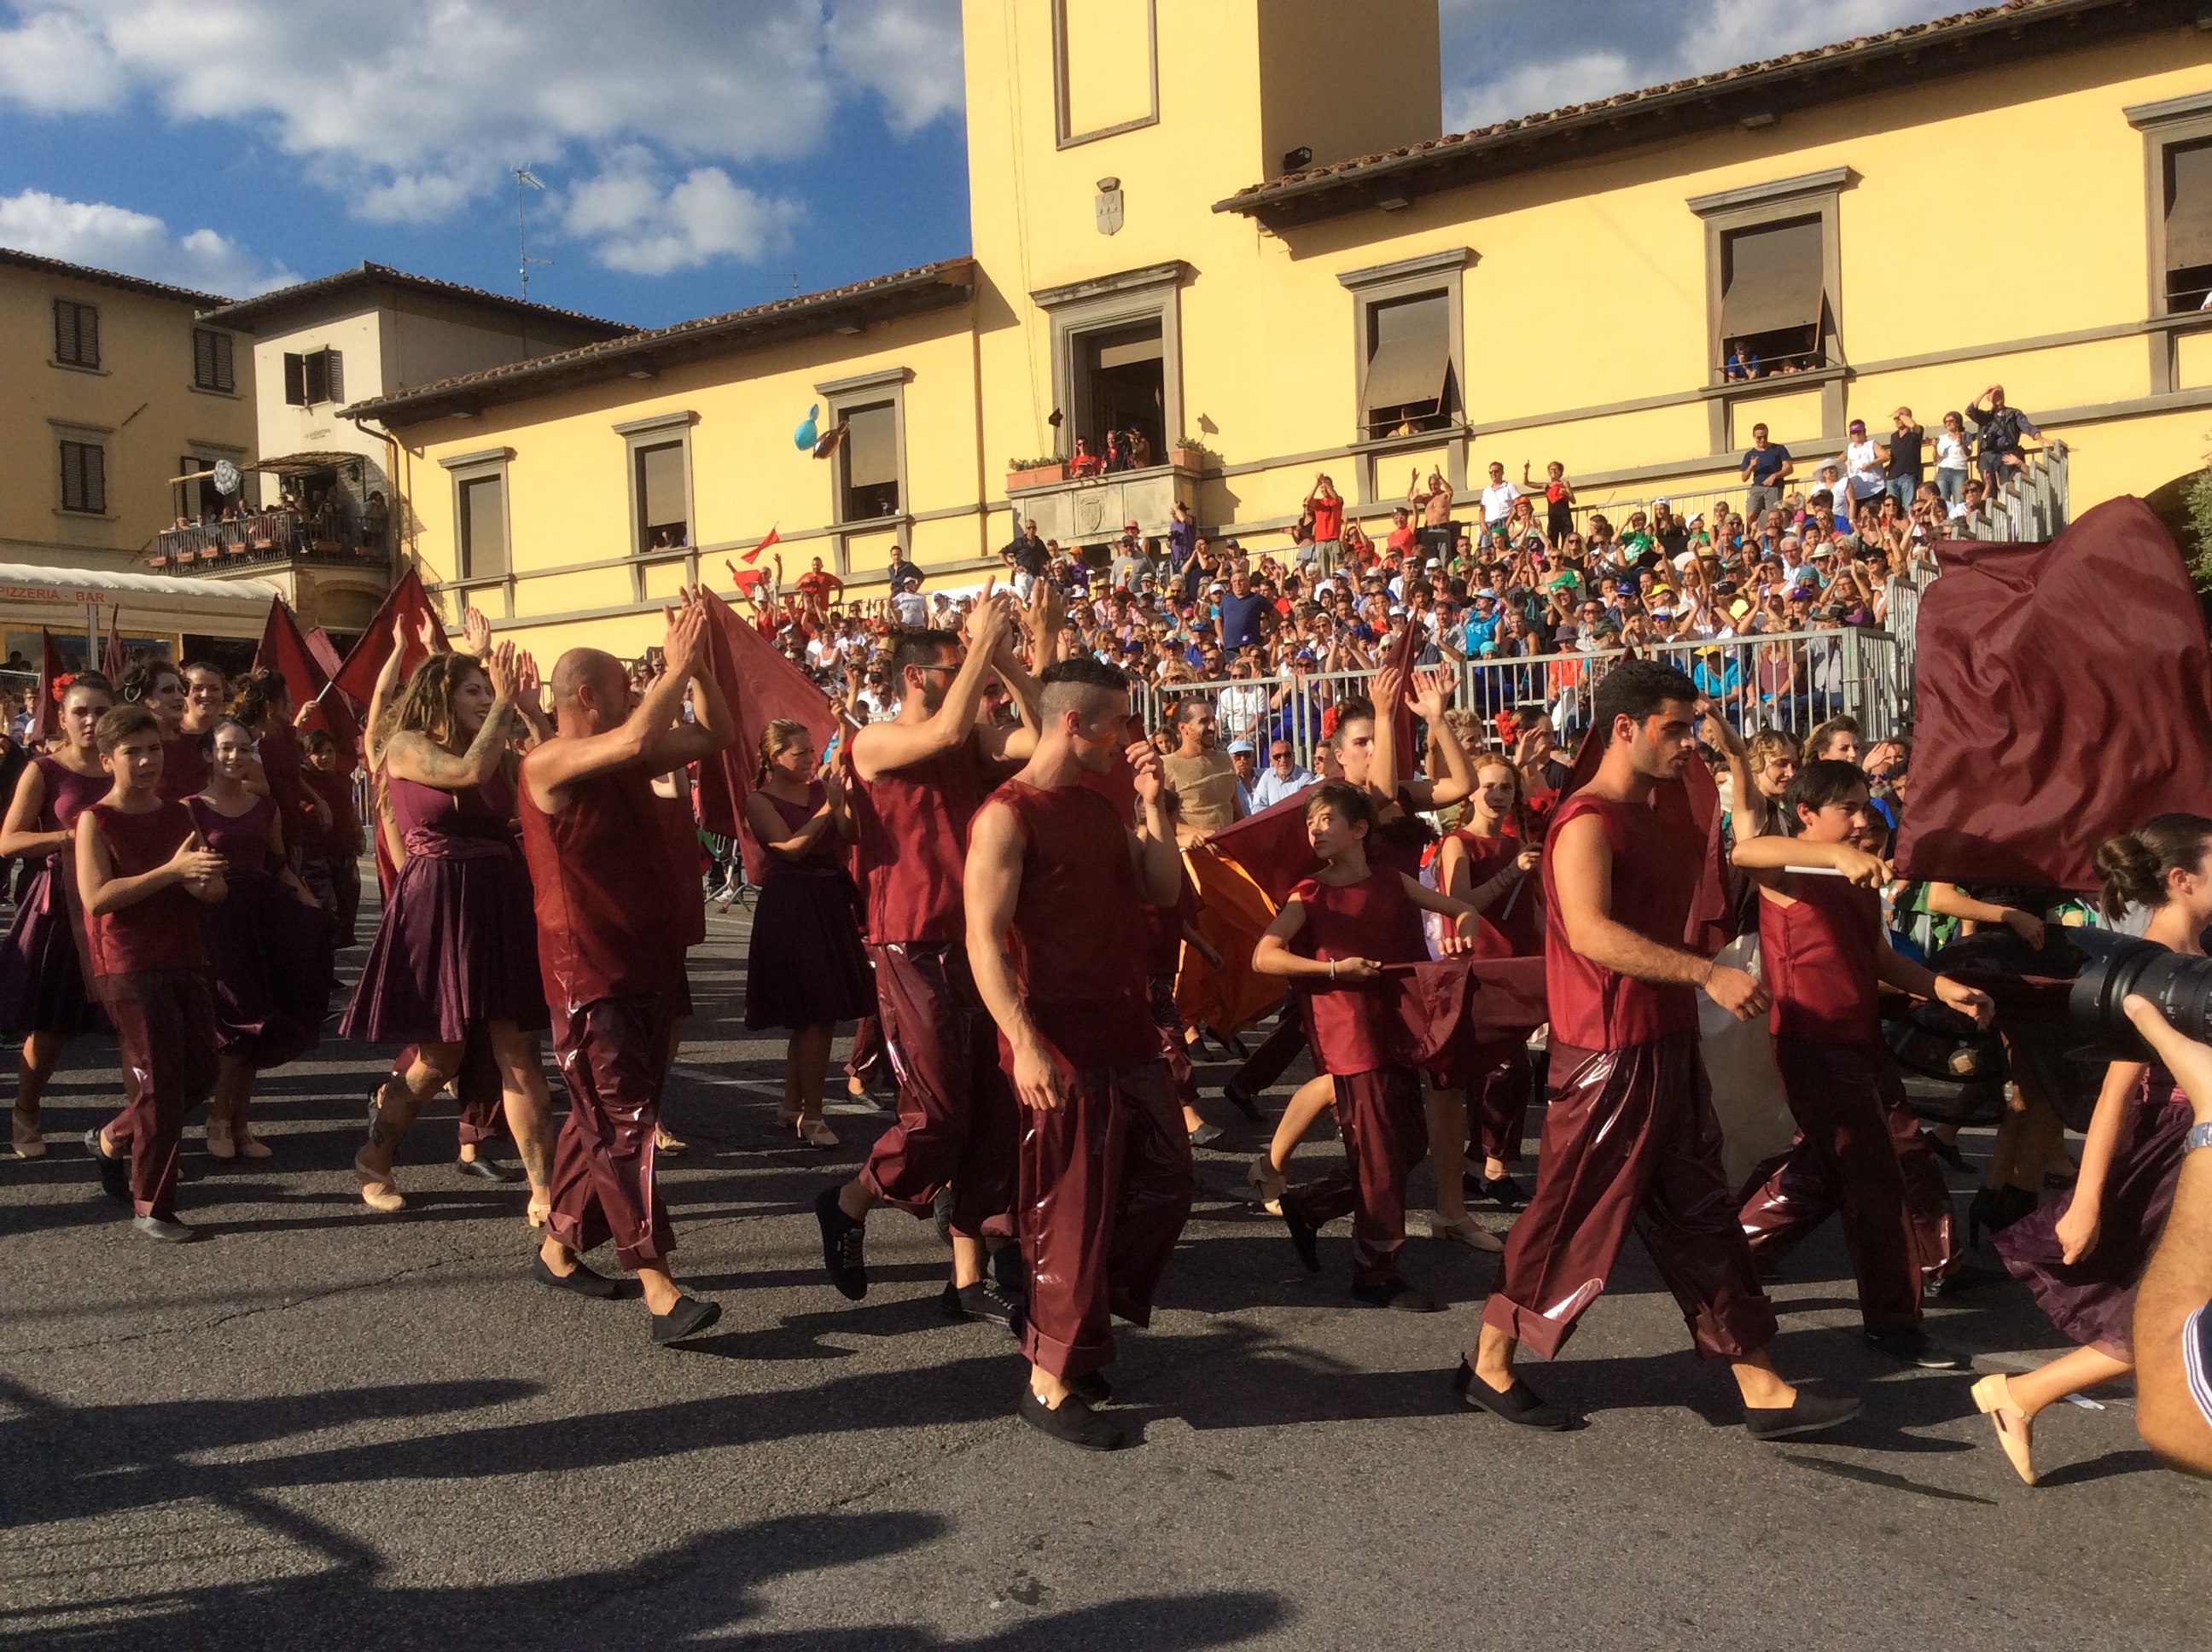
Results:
<point x="263" y="538"/>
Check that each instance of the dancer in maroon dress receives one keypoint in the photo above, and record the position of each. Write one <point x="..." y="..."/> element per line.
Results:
<point x="266" y="942"/>
<point x="1859" y="1149"/>
<point x="141" y="869"/>
<point x="458" y="950"/>
<point x="916" y="783"/>
<point x="336" y="860"/>
<point x="1335" y="933"/>
<point x="160" y="687"/>
<point x="611" y="930"/>
<point x="43" y="991"/>
<point x="1630" y="1138"/>
<point x="1053" y="882"/>
<point x="2083" y="1254"/>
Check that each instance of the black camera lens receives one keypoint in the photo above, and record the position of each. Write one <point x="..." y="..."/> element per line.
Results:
<point x="2179" y="984"/>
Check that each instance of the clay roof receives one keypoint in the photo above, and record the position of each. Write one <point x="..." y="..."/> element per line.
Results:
<point x="805" y="315"/>
<point x="108" y="278"/>
<point x="1751" y="95"/>
<point x="248" y="315"/>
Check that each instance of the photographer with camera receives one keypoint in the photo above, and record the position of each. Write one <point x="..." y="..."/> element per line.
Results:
<point x="2084" y="1254"/>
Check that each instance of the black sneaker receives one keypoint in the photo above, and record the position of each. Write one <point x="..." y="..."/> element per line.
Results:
<point x="1206" y="1134"/>
<point x="1396" y="1293"/>
<point x="578" y="1278"/>
<point x="114" y="1173"/>
<point x="983" y="1300"/>
<point x="843" y="1251"/>
<point x="1915" y="1347"/>
<point x="1811" y="1414"/>
<point x="166" y="1229"/>
<point x="1306" y="1239"/>
<point x="691" y="1315"/>
<point x="1073" y="1424"/>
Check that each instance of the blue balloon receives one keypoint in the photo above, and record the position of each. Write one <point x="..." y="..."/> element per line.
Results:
<point x="808" y="433"/>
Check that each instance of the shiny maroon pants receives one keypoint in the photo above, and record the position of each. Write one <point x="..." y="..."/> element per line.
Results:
<point x="164" y="1020"/>
<point x="1498" y="1108"/>
<point x="959" y="1123"/>
<point x="1858" y="1153"/>
<point x="1161" y="990"/>
<point x="1630" y="1140"/>
<point x="1105" y="1185"/>
<point x="1385" y="1131"/>
<point x="610" y="1053"/>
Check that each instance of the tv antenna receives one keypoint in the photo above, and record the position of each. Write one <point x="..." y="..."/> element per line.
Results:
<point x="523" y="178"/>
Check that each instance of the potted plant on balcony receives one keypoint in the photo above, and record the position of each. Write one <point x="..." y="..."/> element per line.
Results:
<point x="1189" y="454"/>
<point x="1036" y="472"/>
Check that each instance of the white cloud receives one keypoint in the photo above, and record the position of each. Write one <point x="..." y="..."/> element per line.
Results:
<point x="641" y="227"/>
<point x="1527" y="87"/>
<point x="413" y="108"/>
<point x="106" y="237"/>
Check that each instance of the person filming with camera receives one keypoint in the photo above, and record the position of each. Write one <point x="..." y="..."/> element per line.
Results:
<point x="2084" y="1254"/>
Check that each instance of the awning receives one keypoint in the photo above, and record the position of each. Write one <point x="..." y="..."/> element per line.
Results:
<point x="1774" y="280"/>
<point x="1412" y="353"/>
<point x="290" y="464"/>
<point x="30" y="582"/>
<point x="2189" y="207"/>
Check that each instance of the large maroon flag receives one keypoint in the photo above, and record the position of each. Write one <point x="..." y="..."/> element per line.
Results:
<point x="112" y="663"/>
<point x="2063" y="695"/>
<point x="761" y="685"/>
<point x="324" y="652"/>
<point x="47" y="715"/>
<point x="284" y="650"/>
<point x="356" y="678"/>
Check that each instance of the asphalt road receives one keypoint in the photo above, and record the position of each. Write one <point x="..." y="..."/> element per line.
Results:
<point x="328" y="1429"/>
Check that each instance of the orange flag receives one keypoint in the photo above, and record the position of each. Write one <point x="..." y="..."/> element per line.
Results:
<point x="754" y="555"/>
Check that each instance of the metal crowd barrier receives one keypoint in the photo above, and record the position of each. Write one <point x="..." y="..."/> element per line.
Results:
<point x="1791" y="681"/>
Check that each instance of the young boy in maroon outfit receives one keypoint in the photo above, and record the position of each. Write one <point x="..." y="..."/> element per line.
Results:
<point x="1347" y="921"/>
<point x="611" y="910"/>
<point x="1054" y="878"/>
<point x="141" y="869"/>
<point x="1859" y="1149"/>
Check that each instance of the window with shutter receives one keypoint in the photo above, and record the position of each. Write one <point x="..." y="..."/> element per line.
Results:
<point x="664" y="515"/>
<point x="295" y="380"/>
<point x="211" y="359"/>
<point x="1408" y="384"/>
<point x="484" y="527"/>
<point x="871" y="457"/>
<point x="76" y="333"/>
<point x="2188" y="227"/>
<point x="319" y="378"/>
<point x="334" y="374"/>
<point x="1773" y="296"/>
<point x="85" y="477"/>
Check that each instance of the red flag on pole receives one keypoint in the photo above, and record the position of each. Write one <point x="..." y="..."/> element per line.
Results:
<point x="284" y="650"/>
<point x="2063" y="696"/>
<point x="754" y="555"/>
<point x="112" y="664"/>
<point x="324" y="652"/>
<point x="47" y="715"/>
<point x="761" y="685"/>
<point x="407" y="600"/>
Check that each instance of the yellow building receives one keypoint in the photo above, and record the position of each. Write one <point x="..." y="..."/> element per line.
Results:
<point x="1237" y="223"/>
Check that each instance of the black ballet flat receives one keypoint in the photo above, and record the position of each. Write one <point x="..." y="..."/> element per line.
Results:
<point x="1947" y="1150"/>
<point x="485" y="1170"/>
<point x="1306" y="1240"/>
<point x="1394" y="1293"/>
<point x="114" y="1173"/>
<point x="1520" y="1405"/>
<point x="581" y="1279"/>
<point x="691" y="1315"/>
<point x="1073" y="1424"/>
<point x="1809" y="1414"/>
<point x="1092" y="1388"/>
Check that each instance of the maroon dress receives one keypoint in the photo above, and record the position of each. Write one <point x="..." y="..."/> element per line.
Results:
<point x="183" y="767"/>
<point x="42" y="984"/>
<point x="2093" y="1300"/>
<point x="458" y="945"/>
<point x="268" y="948"/>
<point x="805" y="965"/>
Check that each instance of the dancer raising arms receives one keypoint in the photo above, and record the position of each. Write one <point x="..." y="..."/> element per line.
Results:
<point x="1629" y="1136"/>
<point x="2083" y="1254"/>
<point x="458" y="949"/>
<point x="611" y="923"/>
<point x="266" y="942"/>
<point x="43" y="990"/>
<point x="1054" y="880"/>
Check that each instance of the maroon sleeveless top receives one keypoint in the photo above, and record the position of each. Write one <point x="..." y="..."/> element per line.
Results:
<point x="183" y="769"/>
<point x="827" y="853"/>
<point x="1371" y="919"/>
<point x="608" y="923"/>
<point x="1654" y="879"/>
<point x="1821" y="959"/>
<point x="343" y="835"/>
<point x="242" y="840"/>
<point x="1504" y="934"/>
<point x="683" y="828"/>
<point x="278" y="748"/>
<point x="471" y="824"/>
<point x="1075" y="945"/>
<point x="68" y="794"/>
<point x="913" y="847"/>
<point x="161" y="931"/>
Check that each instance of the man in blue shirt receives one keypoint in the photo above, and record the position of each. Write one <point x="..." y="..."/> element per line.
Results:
<point x="1282" y="778"/>
<point x="1238" y="610"/>
<point x="1766" y="466"/>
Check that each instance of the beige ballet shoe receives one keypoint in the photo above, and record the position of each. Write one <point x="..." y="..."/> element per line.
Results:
<point x="1465" y="1231"/>
<point x="1269" y="1182"/>
<point x="251" y="1147"/>
<point x="1993" y="1399"/>
<point x="28" y="1141"/>
<point x="219" y="1142"/>
<point x="664" y="1143"/>
<point x="541" y="1206"/>
<point x="816" y="1131"/>
<point x="379" y="1191"/>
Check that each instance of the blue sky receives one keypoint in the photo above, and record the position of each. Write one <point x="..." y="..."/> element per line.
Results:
<point x="698" y="154"/>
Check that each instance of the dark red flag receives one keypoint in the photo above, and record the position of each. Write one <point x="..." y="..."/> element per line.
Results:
<point x="284" y="650"/>
<point x="2063" y="695"/>
<point x="761" y="685"/>
<point x="324" y="652"/>
<point x="112" y="664"/>
<point x="46" y="716"/>
<point x="406" y="600"/>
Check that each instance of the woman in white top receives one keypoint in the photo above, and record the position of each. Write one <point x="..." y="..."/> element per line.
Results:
<point x="1950" y="459"/>
<point x="1862" y="464"/>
